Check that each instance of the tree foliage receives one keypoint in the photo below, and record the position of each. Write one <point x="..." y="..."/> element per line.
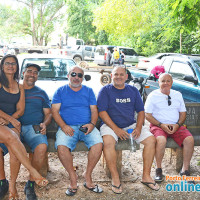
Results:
<point x="80" y="18"/>
<point x="43" y="15"/>
<point x="149" y="26"/>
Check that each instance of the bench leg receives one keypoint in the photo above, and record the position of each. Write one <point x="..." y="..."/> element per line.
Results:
<point x="45" y="167"/>
<point x="119" y="163"/>
<point x="176" y="157"/>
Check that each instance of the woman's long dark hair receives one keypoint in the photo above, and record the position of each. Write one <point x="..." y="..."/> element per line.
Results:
<point x="3" y="78"/>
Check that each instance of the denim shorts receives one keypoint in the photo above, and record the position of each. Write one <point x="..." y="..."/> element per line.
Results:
<point x="71" y="141"/>
<point x="4" y="148"/>
<point x="32" y="139"/>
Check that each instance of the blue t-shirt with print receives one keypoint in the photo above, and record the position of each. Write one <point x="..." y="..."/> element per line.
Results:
<point x="120" y="104"/>
<point x="35" y="100"/>
<point x="75" y="106"/>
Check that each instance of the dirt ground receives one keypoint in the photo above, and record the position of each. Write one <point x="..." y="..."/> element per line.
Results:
<point x="131" y="177"/>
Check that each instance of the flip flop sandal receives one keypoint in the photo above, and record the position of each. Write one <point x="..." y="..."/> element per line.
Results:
<point x="71" y="191"/>
<point x="95" y="189"/>
<point x="116" y="188"/>
<point x="150" y="183"/>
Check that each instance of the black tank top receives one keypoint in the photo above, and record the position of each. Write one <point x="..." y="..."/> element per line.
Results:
<point x="8" y="101"/>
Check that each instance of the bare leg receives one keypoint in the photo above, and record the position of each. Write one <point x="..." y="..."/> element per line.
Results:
<point x="160" y="150"/>
<point x="38" y="157"/>
<point x="2" y="171"/>
<point x="93" y="158"/>
<point x="14" y="145"/>
<point x="148" y="156"/>
<point x="111" y="160"/>
<point x="66" y="159"/>
<point x="188" y="148"/>
<point x="14" y="170"/>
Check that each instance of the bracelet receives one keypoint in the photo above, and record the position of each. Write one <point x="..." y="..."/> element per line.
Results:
<point x="159" y="125"/>
<point x="92" y="123"/>
<point x="178" y="124"/>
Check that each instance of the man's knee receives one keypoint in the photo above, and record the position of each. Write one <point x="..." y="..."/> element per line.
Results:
<point x="108" y="142"/>
<point x="62" y="150"/>
<point x="188" y="141"/>
<point x="97" y="147"/>
<point x="161" y="141"/>
<point x="150" y="141"/>
<point x="41" y="149"/>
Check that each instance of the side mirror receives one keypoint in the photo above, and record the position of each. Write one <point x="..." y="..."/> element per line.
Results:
<point x="190" y="79"/>
<point x="87" y="77"/>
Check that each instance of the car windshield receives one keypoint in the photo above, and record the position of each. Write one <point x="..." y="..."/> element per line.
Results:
<point x="51" y="68"/>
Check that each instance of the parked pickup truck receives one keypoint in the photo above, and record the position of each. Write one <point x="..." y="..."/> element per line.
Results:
<point x="185" y="71"/>
<point x="76" y="50"/>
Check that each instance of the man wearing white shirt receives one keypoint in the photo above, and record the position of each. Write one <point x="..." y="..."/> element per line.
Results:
<point x="166" y="112"/>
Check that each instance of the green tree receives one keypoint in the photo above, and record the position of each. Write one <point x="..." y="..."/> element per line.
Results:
<point x="43" y="14"/>
<point x="80" y="18"/>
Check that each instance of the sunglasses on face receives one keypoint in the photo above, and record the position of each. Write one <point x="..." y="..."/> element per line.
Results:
<point x="169" y="101"/>
<point x="80" y="75"/>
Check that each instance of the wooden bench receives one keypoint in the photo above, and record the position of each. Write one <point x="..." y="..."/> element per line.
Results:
<point x="192" y="122"/>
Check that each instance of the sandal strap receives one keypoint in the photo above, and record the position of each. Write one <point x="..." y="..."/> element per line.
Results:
<point x="116" y="186"/>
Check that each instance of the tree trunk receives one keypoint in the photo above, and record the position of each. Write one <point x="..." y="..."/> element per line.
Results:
<point x="32" y="24"/>
<point x="180" y="42"/>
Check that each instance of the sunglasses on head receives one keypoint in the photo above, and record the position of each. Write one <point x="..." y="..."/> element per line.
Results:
<point x="169" y="101"/>
<point x="80" y="75"/>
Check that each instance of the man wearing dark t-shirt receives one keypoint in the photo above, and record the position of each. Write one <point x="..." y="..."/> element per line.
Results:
<point x="117" y="104"/>
<point x="37" y="116"/>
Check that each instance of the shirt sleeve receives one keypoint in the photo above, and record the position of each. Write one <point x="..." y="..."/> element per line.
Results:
<point x="102" y="100"/>
<point x="139" y="105"/>
<point x="148" y="104"/>
<point x="56" y="97"/>
<point x="46" y="102"/>
<point x="182" y="104"/>
<point x="93" y="100"/>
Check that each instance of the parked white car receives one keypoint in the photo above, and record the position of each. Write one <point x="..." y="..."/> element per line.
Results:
<point x="54" y="70"/>
<point x="147" y="63"/>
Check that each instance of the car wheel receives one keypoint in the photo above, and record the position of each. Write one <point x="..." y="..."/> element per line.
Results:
<point x="105" y="79"/>
<point x="77" y="59"/>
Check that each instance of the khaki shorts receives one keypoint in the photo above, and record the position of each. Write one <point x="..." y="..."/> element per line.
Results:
<point x="145" y="133"/>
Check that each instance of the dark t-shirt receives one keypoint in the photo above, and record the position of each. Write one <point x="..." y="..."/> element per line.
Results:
<point x="120" y="104"/>
<point x="36" y="99"/>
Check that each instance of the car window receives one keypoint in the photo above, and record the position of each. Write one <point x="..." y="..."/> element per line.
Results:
<point x="51" y="67"/>
<point x="88" y="48"/>
<point x="179" y="69"/>
<point x="166" y="62"/>
<point x="197" y="62"/>
<point x="101" y="51"/>
<point x="129" y="52"/>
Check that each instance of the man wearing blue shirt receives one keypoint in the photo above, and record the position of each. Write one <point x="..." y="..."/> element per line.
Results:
<point x="74" y="105"/>
<point x="37" y="114"/>
<point x="117" y="103"/>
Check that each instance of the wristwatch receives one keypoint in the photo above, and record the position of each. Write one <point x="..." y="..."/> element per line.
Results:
<point x="159" y="125"/>
<point x="178" y="124"/>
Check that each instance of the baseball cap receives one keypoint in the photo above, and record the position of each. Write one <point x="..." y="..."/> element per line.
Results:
<point x="33" y="65"/>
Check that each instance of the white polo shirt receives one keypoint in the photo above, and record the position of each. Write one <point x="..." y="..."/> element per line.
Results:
<point x="157" y="105"/>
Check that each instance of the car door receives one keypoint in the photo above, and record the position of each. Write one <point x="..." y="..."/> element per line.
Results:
<point x="189" y="90"/>
<point x="88" y="52"/>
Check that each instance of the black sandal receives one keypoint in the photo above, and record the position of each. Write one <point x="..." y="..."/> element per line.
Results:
<point x="71" y="191"/>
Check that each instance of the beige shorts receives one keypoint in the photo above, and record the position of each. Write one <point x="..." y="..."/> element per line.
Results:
<point x="145" y="133"/>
